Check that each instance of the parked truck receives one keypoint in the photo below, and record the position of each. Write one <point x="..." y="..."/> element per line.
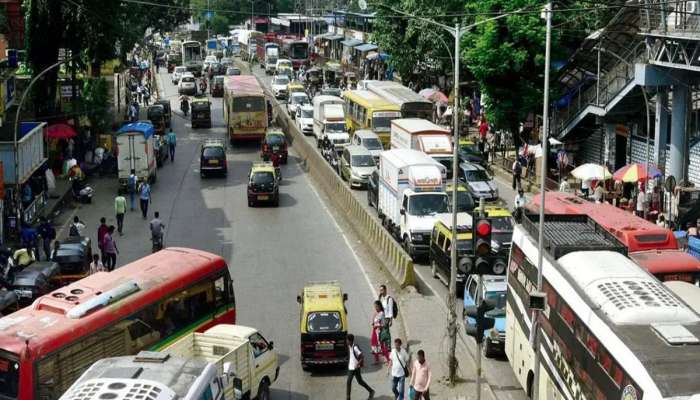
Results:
<point x="329" y="120"/>
<point x="272" y="52"/>
<point x="411" y="197"/>
<point x="423" y="135"/>
<point x="30" y="152"/>
<point x="235" y="350"/>
<point x="135" y="148"/>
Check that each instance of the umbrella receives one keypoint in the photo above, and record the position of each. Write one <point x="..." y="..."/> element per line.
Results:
<point x="636" y="172"/>
<point x="434" y="95"/>
<point x="60" y="131"/>
<point x="587" y="172"/>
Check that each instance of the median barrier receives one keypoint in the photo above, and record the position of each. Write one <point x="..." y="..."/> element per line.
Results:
<point x="398" y="263"/>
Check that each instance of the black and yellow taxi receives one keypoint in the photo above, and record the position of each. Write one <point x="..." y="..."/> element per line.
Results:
<point x="502" y="225"/>
<point x="263" y="185"/>
<point x="323" y="325"/>
<point x="465" y="202"/>
<point x="212" y="159"/>
<point x="274" y="142"/>
<point x="441" y="242"/>
<point x="468" y="151"/>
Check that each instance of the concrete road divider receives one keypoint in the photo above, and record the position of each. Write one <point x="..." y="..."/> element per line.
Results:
<point x="397" y="262"/>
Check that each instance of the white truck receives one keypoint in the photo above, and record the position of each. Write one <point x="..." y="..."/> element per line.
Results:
<point x="192" y="57"/>
<point x="135" y="148"/>
<point x="411" y="197"/>
<point x="423" y="135"/>
<point x="237" y="351"/>
<point x="329" y="120"/>
<point x="220" y="364"/>
<point x="272" y="53"/>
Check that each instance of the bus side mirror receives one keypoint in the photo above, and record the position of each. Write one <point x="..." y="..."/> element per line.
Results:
<point x="299" y="299"/>
<point x="345" y="297"/>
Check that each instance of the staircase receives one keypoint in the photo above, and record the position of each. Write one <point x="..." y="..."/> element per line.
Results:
<point x="612" y="86"/>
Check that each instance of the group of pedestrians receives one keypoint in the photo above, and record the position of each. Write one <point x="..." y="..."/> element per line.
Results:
<point x="396" y="357"/>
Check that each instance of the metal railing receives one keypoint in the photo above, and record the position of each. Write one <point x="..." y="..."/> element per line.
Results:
<point x="675" y="18"/>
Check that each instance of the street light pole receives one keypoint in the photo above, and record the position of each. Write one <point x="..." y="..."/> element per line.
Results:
<point x="540" y="242"/>
<point x="452" y="301"/>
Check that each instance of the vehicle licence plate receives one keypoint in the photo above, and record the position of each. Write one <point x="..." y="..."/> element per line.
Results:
<point x="263" y="197"/>
<point x="324" y="346"/>
<point x="275" y="148"/>
<point x="679" y="277"/>
<point x="214" y="162"/>
<point x="24" y="293"/>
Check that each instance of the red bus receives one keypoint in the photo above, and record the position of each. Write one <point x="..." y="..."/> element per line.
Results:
<point x="297" y="51"/>
<point x="143" y="305"/>
<point x="649" y="245"/>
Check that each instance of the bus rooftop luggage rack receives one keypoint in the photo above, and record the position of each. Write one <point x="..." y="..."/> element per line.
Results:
<point x="564" y="234"/>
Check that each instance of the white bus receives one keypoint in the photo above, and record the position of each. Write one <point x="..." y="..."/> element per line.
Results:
<point x="610" y="330"/>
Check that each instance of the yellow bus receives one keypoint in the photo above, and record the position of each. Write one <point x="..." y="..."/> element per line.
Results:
<point x="366" y="110"/>
<point x="245" y="110"/>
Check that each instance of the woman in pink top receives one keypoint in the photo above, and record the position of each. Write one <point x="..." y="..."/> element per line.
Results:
<point x="379" y="326"/>
<point x="420" y="377"/>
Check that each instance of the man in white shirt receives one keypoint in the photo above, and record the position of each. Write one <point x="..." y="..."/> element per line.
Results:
<point x="398" y="361"/>
<point x="387" y="303"/>
<point x="355" y="362"/>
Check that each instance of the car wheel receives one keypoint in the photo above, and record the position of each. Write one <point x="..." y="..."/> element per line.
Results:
<point x="264" y="391"/>
<point x="433" y="269"/>
<point x="487" y="350"/>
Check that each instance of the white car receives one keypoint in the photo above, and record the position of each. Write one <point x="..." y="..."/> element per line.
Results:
<point x="305" y="119"/>
<point x="296" y="100"/>
<point x="210" y="59"/>
<point x="279" y="86"/>
<point x="177" y="74"/>
<point x="369" y="140"/>
<point x="187" y="85"/>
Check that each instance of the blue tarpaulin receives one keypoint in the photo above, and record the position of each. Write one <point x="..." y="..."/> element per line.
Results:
<point x="143" y="127"/>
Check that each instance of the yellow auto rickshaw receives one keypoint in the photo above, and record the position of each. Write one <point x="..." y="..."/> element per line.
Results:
<point x="323" y="325"/>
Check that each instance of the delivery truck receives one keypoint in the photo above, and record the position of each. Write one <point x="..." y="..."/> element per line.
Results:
<point x="423" y="135"/>
<point x="411" y="197"/>
<point x="329" y="120"/>
<point x="272" y="54"/>
<point x="135" y="149"/>
<point x="237" y="352"/>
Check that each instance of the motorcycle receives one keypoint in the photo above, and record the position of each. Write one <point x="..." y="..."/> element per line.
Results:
<point x="157" y="242"/>
<point x="203" y="86"/>
<point x="82" y="192"/>
<point x="329" y="154"/>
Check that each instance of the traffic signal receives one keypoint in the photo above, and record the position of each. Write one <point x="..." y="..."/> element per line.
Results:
<point x="483" y="323"/>
<point x="481" y="236"/>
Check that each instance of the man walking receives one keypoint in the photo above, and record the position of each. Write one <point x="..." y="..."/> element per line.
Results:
<point x="172" y="141"/>
<point x="120" y="210"/>
<point x="101" y="232"/>
<point x="388" y="304"/>
<point x="355" y="363"/>
<point x="398" y="360"/>
<point x="131" y="188"/>
<point x="110" y="249"/>
<point x="145" y="198"/>
<point x="420" y="377"/>
<point x="47" y="233"/>
<point x="517" y="173"/>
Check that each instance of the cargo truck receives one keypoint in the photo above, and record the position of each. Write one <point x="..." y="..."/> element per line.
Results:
<point x="411" y="197"/>
<point x="135" y="152"/>
<point x="272" y="53"/>
<point x="329" y="120"/>
<point x="423" y="135"/>
<point x="30" y="152"/>
<point x="235" y="350"/>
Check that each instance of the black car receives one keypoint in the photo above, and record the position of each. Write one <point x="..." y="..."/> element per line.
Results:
<point x="263" y="185"/>
<point x="373" y="190"/>
<point x="34" y="281"/>
<point x="213" y="158"/>
<point x="469" y="152"/>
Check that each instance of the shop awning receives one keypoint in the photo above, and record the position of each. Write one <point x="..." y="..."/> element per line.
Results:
<point x="351" y="42"/>
<point x="365" y="47"/>
<point x="334" y="36"/>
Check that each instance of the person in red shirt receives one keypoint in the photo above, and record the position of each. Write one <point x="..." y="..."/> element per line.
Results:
<point x="483" y="130"/>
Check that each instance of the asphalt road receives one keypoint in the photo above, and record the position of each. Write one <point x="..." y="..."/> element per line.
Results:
<point x="272" y="252"/>
<point x="497" y="370"/>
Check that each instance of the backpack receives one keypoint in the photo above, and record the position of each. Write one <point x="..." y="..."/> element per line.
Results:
<point x="395" y="307"/>
<point x="361" y="358"/>
<point x="74" y="231"/>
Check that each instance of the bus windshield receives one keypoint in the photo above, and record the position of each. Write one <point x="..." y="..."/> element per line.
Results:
<point x="248" y="104"/>
<point x="9" y="378"/>
<point x="427" y="204"/>
<point x="381" y="121"/>
<point x="299" y="51"/>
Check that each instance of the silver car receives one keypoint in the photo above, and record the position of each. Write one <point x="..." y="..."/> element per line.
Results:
<point x="187" y="85"/>
<point x="370" y="141"/>
<point x="479" y="183"/>
<point x="356" y="165"/>
<point x="177" y="74"/>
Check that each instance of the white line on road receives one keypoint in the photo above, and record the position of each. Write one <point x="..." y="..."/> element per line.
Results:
<point x="345" y="238"/>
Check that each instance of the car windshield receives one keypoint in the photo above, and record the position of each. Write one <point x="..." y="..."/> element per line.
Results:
<point x="502" y="224"/>
<point x="274" y="140"/>
<point x="428" y="204"/>
<point x="187" y="79"/>
<point x="233" y="71"/>
<point x="9" y="378"/>
<point x="499" y="300"/>
<point x="476" y="175"/>
<point x="320" y="322"/>
<point x="372" y="144"/>
<point x="281" y="81"/>
<point x="468" y="148"/>
<point x="364" y="160"/>
<point x="300" y="100"/>
<point x="331" y="92"/>
<point x="335" y="127"/>
<point x="213" y="152"/>
<point x="262" y="178"/>
<point x="180" y="69"/>
<point x="465" y="203"/>
<point x="307" y="113"/>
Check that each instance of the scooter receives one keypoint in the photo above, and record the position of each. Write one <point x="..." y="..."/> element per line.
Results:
<point x="157" y="243"/>
<point x="82" y="192"/>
